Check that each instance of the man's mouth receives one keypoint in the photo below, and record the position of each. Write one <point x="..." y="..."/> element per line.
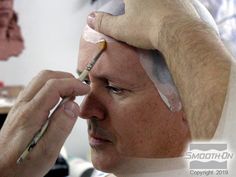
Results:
<point x="99" y="137"/>
<point x="96" y="140"/>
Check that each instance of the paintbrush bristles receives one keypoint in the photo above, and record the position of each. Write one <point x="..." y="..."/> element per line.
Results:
<point x="102" y="44"/>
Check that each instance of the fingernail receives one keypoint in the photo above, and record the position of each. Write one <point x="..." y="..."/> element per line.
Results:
<point x="71" y="109"/>
<point x="91" y="20"/>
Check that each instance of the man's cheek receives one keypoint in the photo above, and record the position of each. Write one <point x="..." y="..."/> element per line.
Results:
<point x="127" y="147"/>
<point x="130" y="139"/>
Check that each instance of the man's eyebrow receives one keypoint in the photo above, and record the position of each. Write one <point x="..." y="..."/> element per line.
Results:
<point x="104" y="77"/>
<point x="112" y="78"/>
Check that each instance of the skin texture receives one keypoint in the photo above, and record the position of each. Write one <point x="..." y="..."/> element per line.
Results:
<point x="125" y="109"/>
<point x="204" y="77"/>
<point x="28" y="115"/>
<point x="196" y="57"/>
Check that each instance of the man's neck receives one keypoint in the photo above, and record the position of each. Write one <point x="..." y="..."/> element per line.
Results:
<point x="141" y="167"/>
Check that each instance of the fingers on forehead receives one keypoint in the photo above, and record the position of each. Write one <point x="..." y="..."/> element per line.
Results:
<point x="48" y="74"/>
<point x="54" y="89"/>
<point x="39" y="81"/>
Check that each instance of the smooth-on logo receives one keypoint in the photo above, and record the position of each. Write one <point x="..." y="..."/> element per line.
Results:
<point x="213" y="157"/>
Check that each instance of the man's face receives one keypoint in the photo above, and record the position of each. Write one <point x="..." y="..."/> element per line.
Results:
<point x="126" y="116"/>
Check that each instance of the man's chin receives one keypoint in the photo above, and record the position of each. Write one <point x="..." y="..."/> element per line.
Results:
<point x="106" y="161"/>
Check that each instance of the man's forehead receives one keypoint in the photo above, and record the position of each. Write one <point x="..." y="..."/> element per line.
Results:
<point x="115" y="55"/>
<point x="118" y="61"/>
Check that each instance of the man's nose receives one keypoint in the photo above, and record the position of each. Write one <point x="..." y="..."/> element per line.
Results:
<point x="91" y="107"/>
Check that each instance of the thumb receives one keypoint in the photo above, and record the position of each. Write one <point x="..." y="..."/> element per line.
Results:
<point x="61" y="123"/>
<point x="105" y="23"/>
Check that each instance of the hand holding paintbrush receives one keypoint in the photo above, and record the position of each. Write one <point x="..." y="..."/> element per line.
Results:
<point x="102" y="46"/>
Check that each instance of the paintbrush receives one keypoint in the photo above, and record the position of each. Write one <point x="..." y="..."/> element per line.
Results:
<point x="102" y="47"/>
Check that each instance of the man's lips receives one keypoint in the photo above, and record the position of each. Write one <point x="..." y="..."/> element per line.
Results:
<point x="99" y="137"/>
<point x="96" y="140"/>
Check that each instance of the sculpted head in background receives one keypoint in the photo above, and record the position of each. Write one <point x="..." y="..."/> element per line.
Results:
<point x="125" y="113"/>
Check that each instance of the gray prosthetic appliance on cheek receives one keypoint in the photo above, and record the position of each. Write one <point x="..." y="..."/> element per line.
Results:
<point x="152" y="61"/>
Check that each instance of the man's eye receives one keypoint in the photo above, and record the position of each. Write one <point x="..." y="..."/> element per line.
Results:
<point x="87" y="81"/>
<point x="115" y="90"/>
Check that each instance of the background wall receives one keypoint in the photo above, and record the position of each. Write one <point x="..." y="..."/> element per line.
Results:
<point x="51" y="30"/>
